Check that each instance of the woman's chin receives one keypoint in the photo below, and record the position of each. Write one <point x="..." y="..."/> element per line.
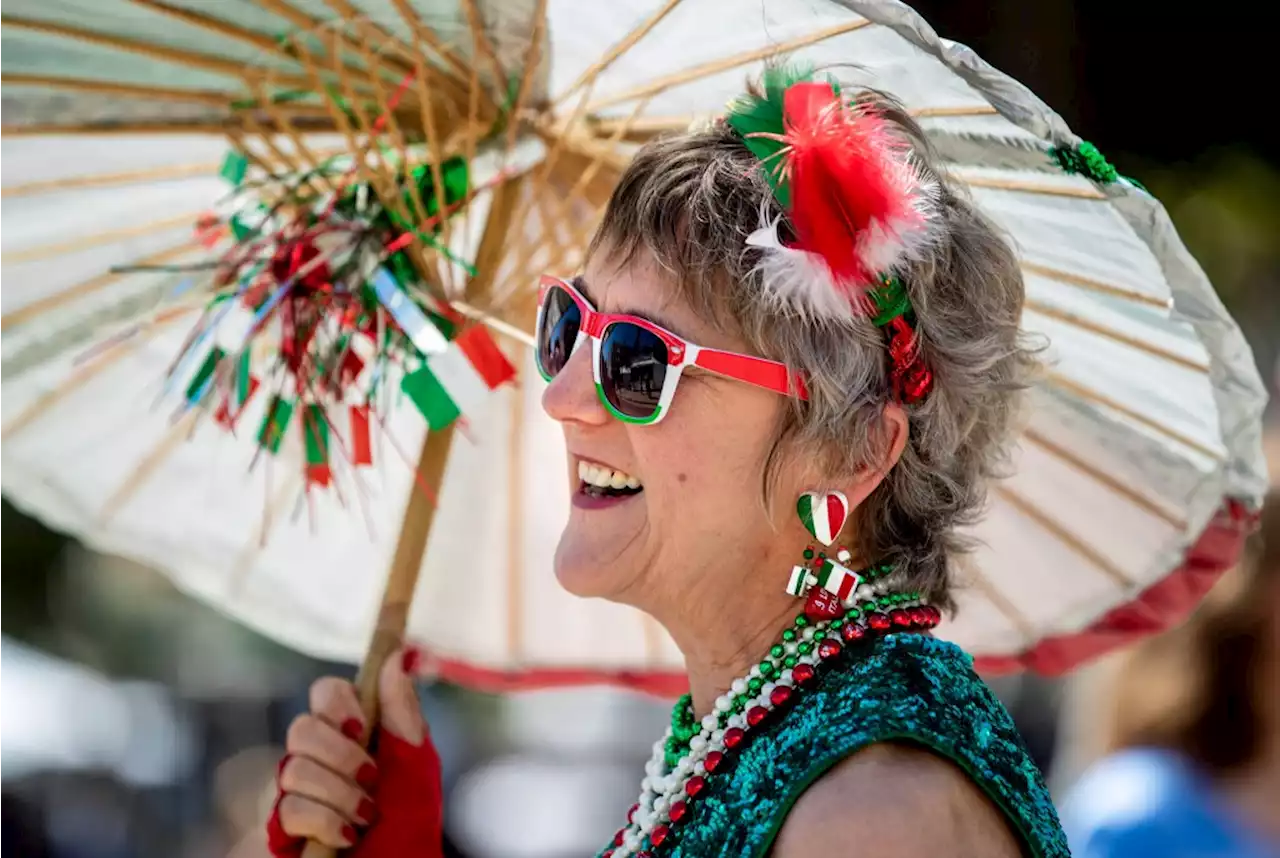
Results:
<point x="585" y="575"/>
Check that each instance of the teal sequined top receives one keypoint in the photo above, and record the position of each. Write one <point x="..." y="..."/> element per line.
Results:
<point x="903" y="687"/>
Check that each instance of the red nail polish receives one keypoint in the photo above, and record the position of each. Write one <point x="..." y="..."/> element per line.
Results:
<point x="352" y="728"/>
<point x="411" y="660"/>
<point x="349" y="833"/>
<point x="367" y="775"/>
<point x="367" y="812"/>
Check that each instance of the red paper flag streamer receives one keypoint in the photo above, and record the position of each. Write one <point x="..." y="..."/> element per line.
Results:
<point x="361" y="449"/>
<point x="483" y="354"/>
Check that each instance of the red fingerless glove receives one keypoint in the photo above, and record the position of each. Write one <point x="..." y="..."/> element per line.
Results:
<point x="409" y="800"/>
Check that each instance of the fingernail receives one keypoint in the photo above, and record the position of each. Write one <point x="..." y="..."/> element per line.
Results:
<point x="349" y="833"/>
<point x="411" y="659"/>
<point x="367" y="775"/>
<point x="353" y="728"/>
<point x="367" y="811"/>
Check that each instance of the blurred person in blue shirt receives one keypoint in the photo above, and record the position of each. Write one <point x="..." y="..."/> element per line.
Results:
<point x="1194" y="762"/>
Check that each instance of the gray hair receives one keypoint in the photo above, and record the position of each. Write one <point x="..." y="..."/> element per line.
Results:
<point x="691" y="200"/>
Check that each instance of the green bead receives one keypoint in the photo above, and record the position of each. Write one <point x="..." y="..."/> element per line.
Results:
<point x="801" y="621"/>
<point x="776" y="651"/>
<point x="837" y="625"/>
<point x="767" y="669"/>
<point x="808" y="554"/>
<point x="754" y="686"/>
<point x="819" y="635"/>
<point x="740" y="701"/>
<point x="853" y="613"/>
<point x="806" y="648"/>
<point x="790" y="661"/>
<point x="789" y="635"/>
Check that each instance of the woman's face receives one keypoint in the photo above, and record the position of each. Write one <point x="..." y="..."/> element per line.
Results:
<point x="698" y="511"/>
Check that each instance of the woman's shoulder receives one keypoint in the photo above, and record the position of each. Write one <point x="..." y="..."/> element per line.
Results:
<point x="1148" y="797"/>
<point x="902" y="798"/>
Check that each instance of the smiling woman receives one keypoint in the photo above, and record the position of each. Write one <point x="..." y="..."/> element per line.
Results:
<point x="776" y="472"/>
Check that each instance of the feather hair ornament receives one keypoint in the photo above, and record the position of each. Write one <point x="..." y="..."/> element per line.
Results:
<point x="855" y="201"/>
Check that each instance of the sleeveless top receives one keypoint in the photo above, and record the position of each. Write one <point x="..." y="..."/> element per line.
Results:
<point x="902" y="687"/>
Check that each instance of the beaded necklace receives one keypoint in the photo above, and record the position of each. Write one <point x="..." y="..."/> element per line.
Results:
<point x="692" y="750"/>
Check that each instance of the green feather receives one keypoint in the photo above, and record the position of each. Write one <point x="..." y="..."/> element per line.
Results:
<point x="752" y="115"/>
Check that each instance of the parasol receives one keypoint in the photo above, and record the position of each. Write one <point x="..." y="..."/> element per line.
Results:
<point x="1136" y="475"/>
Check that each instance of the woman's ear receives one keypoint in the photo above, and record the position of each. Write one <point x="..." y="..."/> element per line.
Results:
<point x="887" y="442"/>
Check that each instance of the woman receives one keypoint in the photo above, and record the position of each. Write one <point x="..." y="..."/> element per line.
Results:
<point x="1195" y="741"/>
<point x="843" y="329"/>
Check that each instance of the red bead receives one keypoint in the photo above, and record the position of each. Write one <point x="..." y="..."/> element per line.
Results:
<point x="658" y="834"/>
<point x="935" y="615"/>
<point x="828" y="649"/>
<point x="919" y="616"/>
<point x="852" y="632"/>
<point x="900" y="618"/>
<point x="802" y="673"/>
<point x="918" y="383"/>
<point x="755" y="715"/>
<point x="608" y="853"/>
<point x="645" y="854"/>
<point x="780" y="695"/>
<point x="631" y="814"/>
<point x="822" y="604"/>
<point x="696" y="783"/>
<point x="712" y="762"/>
<point x="878" y="621"/>
<point x="732" y="737"/>
<point x="617" y="838"/>
<point x="677" y="811"/>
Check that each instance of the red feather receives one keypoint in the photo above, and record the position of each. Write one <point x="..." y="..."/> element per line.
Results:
<point x="853" y="191"/>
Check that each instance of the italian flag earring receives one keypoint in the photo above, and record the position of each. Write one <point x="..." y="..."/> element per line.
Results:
<point x="824" y="583"/>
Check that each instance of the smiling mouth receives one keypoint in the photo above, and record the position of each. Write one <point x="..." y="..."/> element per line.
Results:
<point x="600" y="481"/>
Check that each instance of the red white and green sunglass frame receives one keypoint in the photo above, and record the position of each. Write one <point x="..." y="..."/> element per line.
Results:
<point x="681" y="354"/>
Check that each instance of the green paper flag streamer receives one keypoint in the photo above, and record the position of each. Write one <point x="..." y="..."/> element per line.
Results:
<point x="274" y="423"/>
<point x="204" y="376"/>
<point x="234" y="167"/>
<point x="315" y="432"/>
<point x="427" y="393"/>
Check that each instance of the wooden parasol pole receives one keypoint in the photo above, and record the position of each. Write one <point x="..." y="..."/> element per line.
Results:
<point x="419" y="512"/>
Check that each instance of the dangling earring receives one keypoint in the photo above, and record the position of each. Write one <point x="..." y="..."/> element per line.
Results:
<point x="824" y="583"/>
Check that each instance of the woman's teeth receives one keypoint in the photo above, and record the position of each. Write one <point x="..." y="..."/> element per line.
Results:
<point x="606" y="478"/>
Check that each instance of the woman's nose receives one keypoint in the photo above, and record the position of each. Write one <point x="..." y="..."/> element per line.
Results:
<point x="571" y="395"/>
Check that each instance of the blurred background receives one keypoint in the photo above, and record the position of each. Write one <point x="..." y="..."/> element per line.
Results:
<point x="137" y="722"/>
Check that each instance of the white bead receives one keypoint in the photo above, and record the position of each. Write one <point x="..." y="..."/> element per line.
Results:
<point x="807" y="634"/>
<point x="684" y="766"/>
<point x="699" y="768"/>
<point x="786" y="677"/>
<point x="710" y="722"/>
<point x="631" y="840"/>
<point x="724" y="703"/>
<point x="698" y="743"/>
<point x="755" y="671"/>
<point x="646" y="784"/>
<point x="660" y="804"/>
<point x="844" y="556"/>
<point x="791" y="647"/>
<point x="739" y="686"/>
<point x="717" y="738"/>
<point x="766" y="690"/>
<point x="653" y="768"/>
<point x="738" y="721"/>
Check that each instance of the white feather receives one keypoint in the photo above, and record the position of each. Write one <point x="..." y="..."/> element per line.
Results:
<point x="797" y="281"/>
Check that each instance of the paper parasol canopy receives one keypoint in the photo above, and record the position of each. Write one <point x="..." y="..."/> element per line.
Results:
<point x="1136" y="476"/>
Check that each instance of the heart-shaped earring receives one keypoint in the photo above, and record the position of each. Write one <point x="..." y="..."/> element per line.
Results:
<point x="823" y="514"/>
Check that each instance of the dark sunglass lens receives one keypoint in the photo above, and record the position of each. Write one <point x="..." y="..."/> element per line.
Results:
<point x="558" y="331"/>
<point x="633" y="367"/>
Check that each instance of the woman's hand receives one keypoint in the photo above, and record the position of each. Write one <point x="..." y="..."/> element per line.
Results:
<point x="334" y="792"/>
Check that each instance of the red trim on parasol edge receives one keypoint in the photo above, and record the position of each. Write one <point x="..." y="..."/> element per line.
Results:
<point x="1157" y="608"/>
<point x="1162" y="605"/>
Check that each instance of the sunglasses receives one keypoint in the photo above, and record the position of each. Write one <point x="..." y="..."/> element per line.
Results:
<point x="636" y="364"/>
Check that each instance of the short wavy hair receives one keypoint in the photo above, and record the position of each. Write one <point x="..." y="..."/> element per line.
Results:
<point x="690" y="200"/>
